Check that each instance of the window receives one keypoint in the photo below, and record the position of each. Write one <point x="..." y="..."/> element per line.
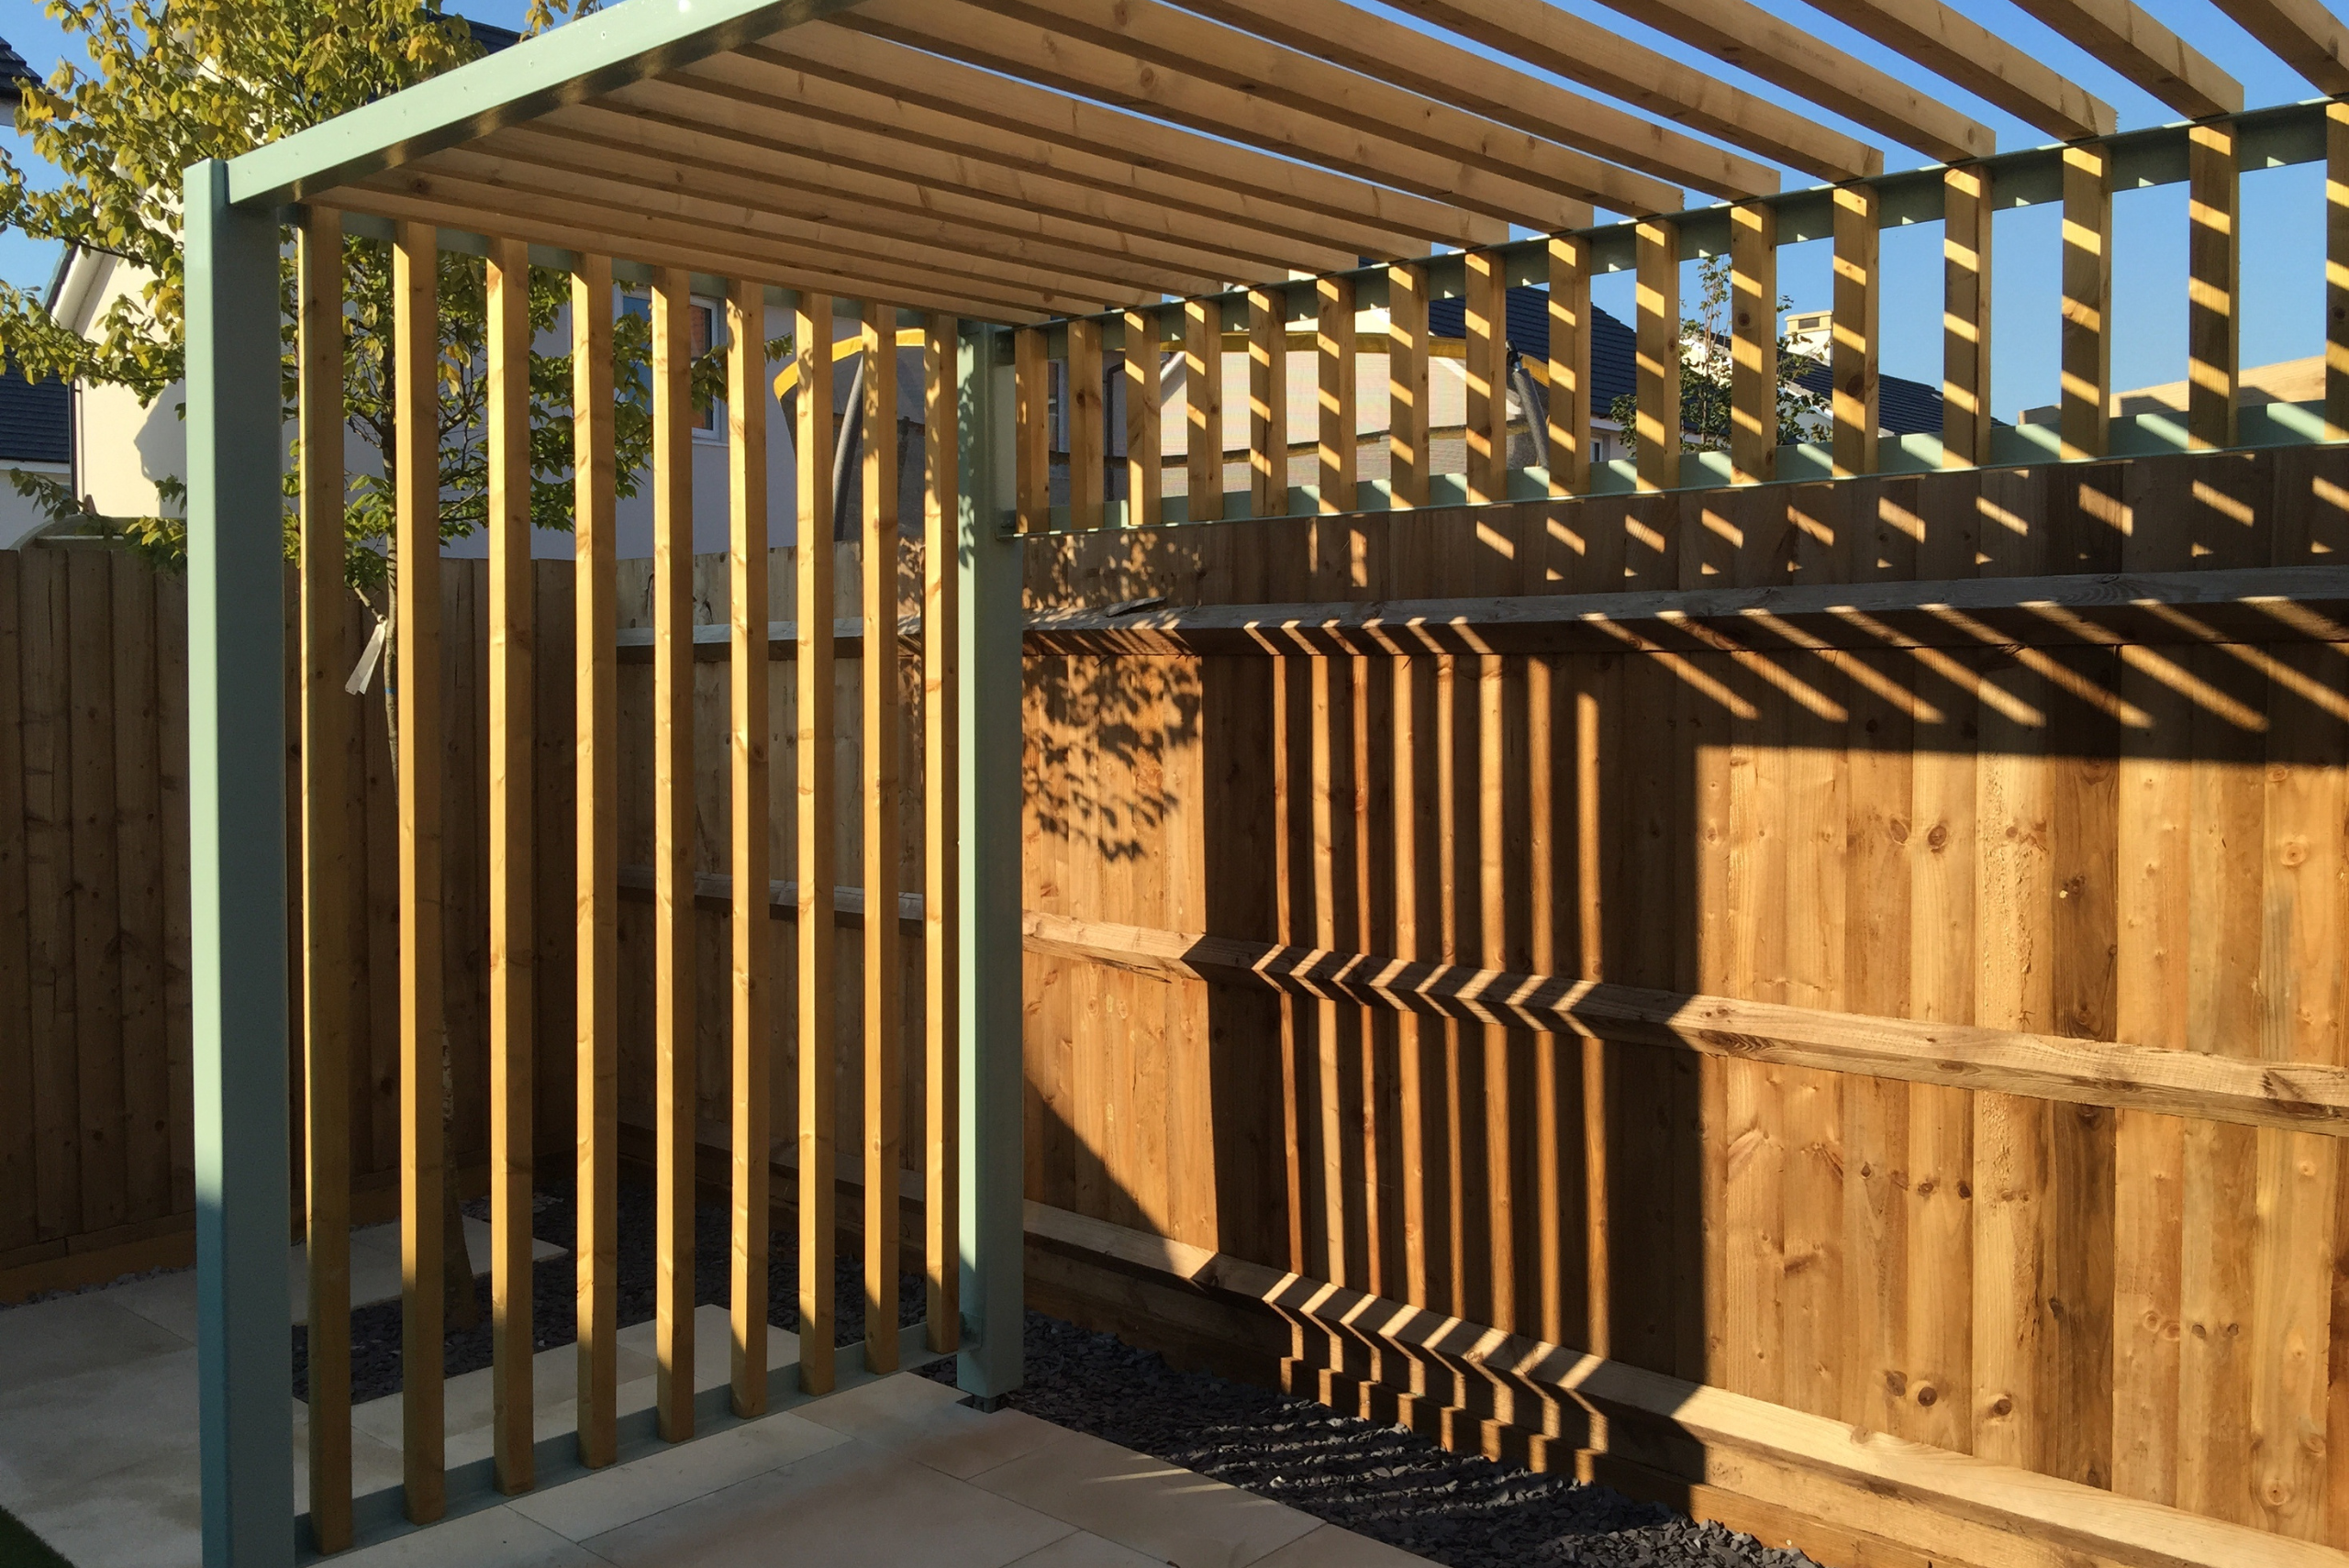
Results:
<point x="702" y="318"/>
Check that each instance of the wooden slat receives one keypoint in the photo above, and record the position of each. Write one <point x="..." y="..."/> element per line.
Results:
<point x="597" y="687"/>
<point x="1657" y="368"/>
<point x="2018" y="1065"/>
<point x="1085" y="68"/>
<point x="1269" y="183"/>
<point x="1782" y="50"/>
<point x="1407" y="382"/>
<point x="1307" y="81"/>
<point x="416" y="544"/>
<point x="49" y="891"/>
<point x="2120" y="34"/>
<point x="1754" y="343"/>
<point x="1966" y="317"/>
<point x="817" y="788"/>
<point x="2086" y="397"/>
<point x="1486" y="366"/>
<point x="750" y="726"/>
<point x="2336" y="271"/>
<point x="95" y="924"/>
<point x="1334" y="374"/>
<point x="884" y="1068"/>
<point x="2303" y="34"/>
<point x="1851" y="356"/>
<point x="19" y="1153"/>
<point x="1550" y="38"/>
<point x="1087" y="427"/>
<point x="941" y="905"/>
<point x="1991" y="67"/>
<point x="1567" y="440"/>
<point x="1435" y="69"/>
<point x="1267" y="404"/>
<point x="673" y="851"/>
<point x="1203" y="409"/>
<point x="330" y="867"/>
<point x="1031" y="438"/>
<point x="1145" y="484"/>
<point x="513" y="1031"/>
<point x="2213" y="317"/>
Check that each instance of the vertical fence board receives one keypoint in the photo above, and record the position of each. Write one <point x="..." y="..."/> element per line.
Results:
<point x="19" y="1157"/>
<point x="813" y="757"/>
<point x="880" y="687"/>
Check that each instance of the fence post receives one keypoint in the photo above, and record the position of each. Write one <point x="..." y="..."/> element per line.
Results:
<point x="237" y="877"/>
<point x="988" y="737"/>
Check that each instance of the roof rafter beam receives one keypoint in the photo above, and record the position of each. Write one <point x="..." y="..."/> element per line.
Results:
<point x="1780" y="52"/>
<point x="1377" y="47"/>
<point x="1549" y="39"/>
<point x="1266" y="69"/>
<point x="620" y="164"/>
<point x="950" y="88"/>
<point x="2120" y="34"/>
<point x="1077" y="65"/>
<point x="1979" y="60"/>
<point x="2303" y="34"/>
<point x="377" y="197"/>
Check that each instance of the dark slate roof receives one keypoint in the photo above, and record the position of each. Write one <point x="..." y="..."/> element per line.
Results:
<point x="36" y="420"/>
<point x="14" y="72"/>
<point x="1904" y="407"/>
<point x="491" y="36"/>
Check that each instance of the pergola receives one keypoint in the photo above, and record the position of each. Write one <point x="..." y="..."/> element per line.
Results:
<point x="990" y="165"/>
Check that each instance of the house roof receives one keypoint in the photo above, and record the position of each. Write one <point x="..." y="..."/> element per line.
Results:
<point x="36" y="419"/>
<point x="14" y="74"/>
<point x="1904" y="407"/>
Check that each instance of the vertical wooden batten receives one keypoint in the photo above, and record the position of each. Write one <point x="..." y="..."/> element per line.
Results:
<point x="673" y="851"/>
<point x="596" y="589"/>
<point x="1267" y="402"/>
<point x="511" y="961"/>
<point x="1087" y="427"/>
<point x="1567" y="438"/>
<point x="1031" y="430"/>
<point x="1852" y="354"/>
<point x="1144" y="485"/>
<point x="1656" y="367"/>
<point x="330" y="866"/>
<point x="1753" y="342"/>
<point x="417" y="565"/>
<point x="2213" y="301"/>
<point x="1486" y="365"/>
<point x="1334" y="366"/>
<point x="1203" y="409"/>
<point x="2336" y="271"/>
<point x="2086" y="399"/>
<point x="819" y="1072"/>
<point x="1965" y="316"/>
<point x="884" y="1085"/>
<point x="748" y="929"/>
<point x="1407" y="382"/>
<point x="942" y="633"/>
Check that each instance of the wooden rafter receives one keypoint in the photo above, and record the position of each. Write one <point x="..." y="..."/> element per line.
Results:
<point x="1781" y="51"/>
<point x="952" y="88"/>
<point x="2120" y="34"/>
<point x="1549" y="39"/>
<point x="1078" y="66"/>
<point x="1377" y="47"/>
<point x="1980" y="62"/>
<point x="2303" y="34"/>
<point x="1252" y="63"/>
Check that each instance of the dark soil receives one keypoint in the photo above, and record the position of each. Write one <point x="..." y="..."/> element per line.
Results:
<point x="1387" y="1482"/>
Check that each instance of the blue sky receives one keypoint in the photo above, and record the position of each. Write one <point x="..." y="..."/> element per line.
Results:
<point x="2282" y="217"/>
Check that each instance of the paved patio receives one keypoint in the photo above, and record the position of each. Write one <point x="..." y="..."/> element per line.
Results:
<point x="97" y="1454"/>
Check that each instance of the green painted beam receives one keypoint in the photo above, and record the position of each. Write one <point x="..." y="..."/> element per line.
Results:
<point x="987" y="731"/>
<point x="235" y="659"/>
<point x="589" y="55"/>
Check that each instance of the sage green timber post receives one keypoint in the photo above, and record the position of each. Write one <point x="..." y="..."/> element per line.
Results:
<point x="235" y="569"/>
<point x="987" y="731"/>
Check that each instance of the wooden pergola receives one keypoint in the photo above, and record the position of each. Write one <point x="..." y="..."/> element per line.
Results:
<point x="1141" y="171"/>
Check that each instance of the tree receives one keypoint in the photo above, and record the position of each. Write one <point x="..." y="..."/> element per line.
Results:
<point x="172" y="82"/>
<point x="1705" y="375"/>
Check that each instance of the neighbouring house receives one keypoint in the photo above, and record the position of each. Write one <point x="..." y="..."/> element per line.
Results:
<point x="36" y="438"/>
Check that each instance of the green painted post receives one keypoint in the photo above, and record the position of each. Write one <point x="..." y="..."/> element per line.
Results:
<point x="988" y="731"/>
<point x="236" y="636"/>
